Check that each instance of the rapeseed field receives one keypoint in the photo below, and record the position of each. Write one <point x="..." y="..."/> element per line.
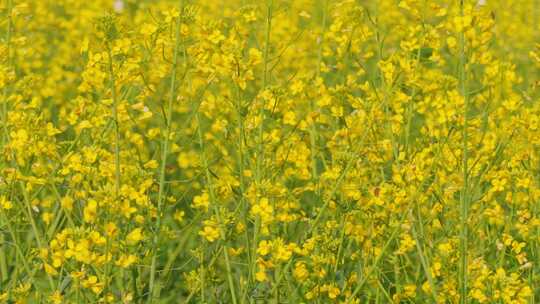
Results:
<point x="270" y="151"/>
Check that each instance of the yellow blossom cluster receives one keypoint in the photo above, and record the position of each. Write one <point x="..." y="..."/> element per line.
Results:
<point x="271" y="151"/>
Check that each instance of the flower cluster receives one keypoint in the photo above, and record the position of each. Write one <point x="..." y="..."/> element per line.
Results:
<point x="307" y="151"/>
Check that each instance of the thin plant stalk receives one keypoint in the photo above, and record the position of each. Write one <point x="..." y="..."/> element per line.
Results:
<point x="165" y="153"/>
<point x="213" y="201"/>
<point x="260" y="146"/>
<point x="464" y="199"/>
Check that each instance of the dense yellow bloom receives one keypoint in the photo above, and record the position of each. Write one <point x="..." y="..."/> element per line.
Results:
<point x="300" y="271"/>
<point x="135" y="236"/>
<point x="209" y="233"/>
<point x="307" y="151"/>
<point x="5" y="203"/>
<point x="90" y="211"/>
<point x="126" y="260"/>
<point x="56" y="298"/>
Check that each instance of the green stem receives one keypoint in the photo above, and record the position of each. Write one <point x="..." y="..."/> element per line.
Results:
<point x="3" y="263"/>
<point x="14" y="240"/>
<point x="260" y="146"/>
<point x="165" y="153"/>
<point x="243" y="202"/>
<point x="112" y="87"/>
<point x="9" y="61"/>
<point x="117" y="176"/>
<point x="464" y="199"/>
<point x="423" y="257"/>
<point x="314" y="130"/>
<point x="33" y="224"/>
<point x="4" y="122"/>
<point x="376" y="262"/>
<point x="213" y="201"/>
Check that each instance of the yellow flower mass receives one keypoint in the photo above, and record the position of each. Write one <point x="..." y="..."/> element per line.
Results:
<point x="271" y="151"/>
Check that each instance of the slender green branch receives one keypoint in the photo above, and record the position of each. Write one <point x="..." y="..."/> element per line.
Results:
<point x="378" y="259"/>
<point x="260" y="146"/>
<point x="314" y="136"/>
<point x="112" y="87"/>
<point x="3" y="266"/>
<point x="165" y="153"/>
<point x="24" y="192"/>
<point x="464" y="197"/>
<point x="117" y="176"/>
<point x="9" y="31"/>
<point x="213" y="201"/>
